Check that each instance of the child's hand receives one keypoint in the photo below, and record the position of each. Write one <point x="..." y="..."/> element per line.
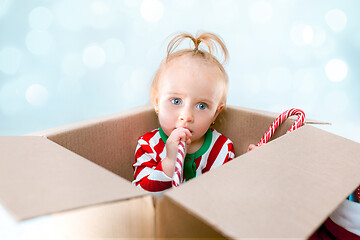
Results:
<point x="172" y="144"/>
<point x="177" y="136"/>
<point x="251" y="147"/>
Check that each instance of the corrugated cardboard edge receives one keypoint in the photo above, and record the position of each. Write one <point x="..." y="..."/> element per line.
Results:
<point x="52" y="162"/>
<point x="90" y="122"/>
<point x="336" y="198"/>
<point x="108" y="141"/>
<point x="134" y="218"/>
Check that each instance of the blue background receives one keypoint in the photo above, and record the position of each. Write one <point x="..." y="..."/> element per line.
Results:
<point x="67" y="61"/>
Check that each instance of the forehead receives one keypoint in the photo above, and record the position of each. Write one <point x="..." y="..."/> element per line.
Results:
<point x="190" y="62"/>
<point x="191" y="68"/>
<point x="191" y="75"/>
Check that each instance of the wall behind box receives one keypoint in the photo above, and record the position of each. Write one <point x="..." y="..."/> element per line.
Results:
<point x="72" y="61"/>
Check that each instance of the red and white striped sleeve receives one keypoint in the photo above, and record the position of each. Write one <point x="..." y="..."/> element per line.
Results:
<point x="148" y="172"/>
<point x="222" y="151"/>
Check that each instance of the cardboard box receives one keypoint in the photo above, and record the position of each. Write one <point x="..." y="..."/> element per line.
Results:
<point x="80" y="177"/>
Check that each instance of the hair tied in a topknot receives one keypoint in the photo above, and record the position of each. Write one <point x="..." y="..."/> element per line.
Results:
<point x="209" y="39"/>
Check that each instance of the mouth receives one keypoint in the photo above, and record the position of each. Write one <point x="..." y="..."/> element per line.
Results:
<point x="189" y="129"/>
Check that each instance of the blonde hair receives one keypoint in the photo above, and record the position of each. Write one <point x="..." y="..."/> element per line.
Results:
<point x="210" y="40"/>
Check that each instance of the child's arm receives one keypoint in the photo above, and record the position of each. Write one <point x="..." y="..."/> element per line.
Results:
<point x="148" y="172"/>
<point x="152" y="173"/>
<point x="172" y="143"/>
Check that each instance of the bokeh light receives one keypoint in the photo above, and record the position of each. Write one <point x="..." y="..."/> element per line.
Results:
<point x="10" y="60"/>
<point x="336" y="19"/>
<point x="152" y="10"/>
<point x="37" y="95"/>
<point x="336" y="70"/>
<point x="301" y="34"/>
<point x="308" y="34"/>
<point x="319" y="36"/>
<point x="101" y="55"/>
<point x="94" y="56"/>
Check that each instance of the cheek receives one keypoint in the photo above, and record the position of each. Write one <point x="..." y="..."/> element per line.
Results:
<point x="167" y="113"/>
<point x="205" y="119"/>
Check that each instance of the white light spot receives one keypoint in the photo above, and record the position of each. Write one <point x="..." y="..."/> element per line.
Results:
<point x="99" y="7"/>
<point x="73" y="66"/>
<point x="152" y="10"/>
<point x="260" y="12"/>
<point x="114" y="50"/>
<point x="308" y="34"/>
<point x="40" y="18"/>
<point x="336" y="70"/>
<point x="336" y="19"/>
<point x="39" y="42"/>
<point x="37" y="95"/>
<point x="101" y="15"/>
<point x="10" y="60"/>
<point x="319" y="36"/>
<point x="297" y="34"/>
<point x="94" y="56"/>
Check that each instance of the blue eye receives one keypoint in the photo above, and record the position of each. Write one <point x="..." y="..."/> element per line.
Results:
<point x="202" y="106"/>
<point x="176" y="101"/>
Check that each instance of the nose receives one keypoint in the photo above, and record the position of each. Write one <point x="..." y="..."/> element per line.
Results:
<point x="186" y="115"/>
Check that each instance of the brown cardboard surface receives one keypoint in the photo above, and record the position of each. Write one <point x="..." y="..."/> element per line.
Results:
<point x="176" y="221"/>
<point x="39" y="177"/>
<point x="246" y="126"/>
<point x="286" y="188"/>
<point x="108" y="141"/>
<point x="134" y="218"/>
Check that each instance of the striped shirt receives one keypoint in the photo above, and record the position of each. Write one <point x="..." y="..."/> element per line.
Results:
<point x="148" y="173"/>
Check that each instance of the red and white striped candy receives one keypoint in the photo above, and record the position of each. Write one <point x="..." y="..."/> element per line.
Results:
<point x="178" y="176"/>
<point x="298" y="123"/>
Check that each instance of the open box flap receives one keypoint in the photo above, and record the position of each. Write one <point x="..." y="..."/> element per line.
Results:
<point x="286" y="188"/>
<point x="38" y="176"/>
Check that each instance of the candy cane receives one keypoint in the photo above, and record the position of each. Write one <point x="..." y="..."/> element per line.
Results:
<point x="298" y="123"/>
<point x="178" y="176"/>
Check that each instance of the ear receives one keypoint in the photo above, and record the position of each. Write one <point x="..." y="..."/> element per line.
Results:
<point x="218" y="110"/>
<point x="156" y="103"/>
